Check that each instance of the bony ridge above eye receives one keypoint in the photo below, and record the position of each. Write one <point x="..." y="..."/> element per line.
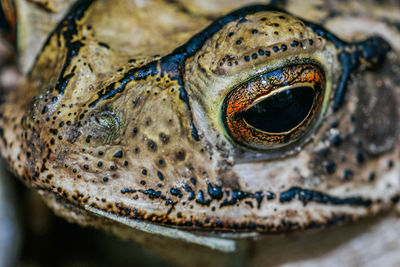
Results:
<point x="275" y="109"/>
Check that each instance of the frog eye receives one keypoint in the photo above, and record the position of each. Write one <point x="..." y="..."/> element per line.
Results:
<point x="274" y="109"/>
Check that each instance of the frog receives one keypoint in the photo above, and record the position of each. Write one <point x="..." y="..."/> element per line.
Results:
<point x="207" y="122"/>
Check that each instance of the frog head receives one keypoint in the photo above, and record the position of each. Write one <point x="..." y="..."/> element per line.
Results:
<point x="259" y="122"/>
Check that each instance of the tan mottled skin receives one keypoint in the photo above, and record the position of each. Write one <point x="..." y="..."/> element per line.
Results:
<point x="65" y="148"/>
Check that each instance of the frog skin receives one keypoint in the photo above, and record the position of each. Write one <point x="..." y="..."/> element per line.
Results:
<point x="129" y="119"/>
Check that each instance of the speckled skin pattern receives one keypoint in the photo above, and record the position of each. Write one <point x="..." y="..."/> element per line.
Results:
<point x="118" y="115"/>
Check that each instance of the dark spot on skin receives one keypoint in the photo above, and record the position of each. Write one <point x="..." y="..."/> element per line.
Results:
<point x="330" y="167"/>
<point x="180" y="155"/>
<point x="86" y="167"/>
<point x="193" y="180"/>
<point x="152" y="194"/>
<point x="267" y="53"/>
<point x="238" y="195"/>
<point x="261" y="52"/>
<point x="143" y="182"/>
<point x="276" y="33"/>
<point x="254" y="56"/>
<point x="192" y="195"/>
<point x="45" y="109"/>
<point x="215" y="192"/>
<point x="187" y="188"/>
<point x="270" y="195"/>
<point x="105" y="179"/>
<point x="310" y="42"/>
<point x="151" y="145"/>
<point x="231" y="34"/>
<point x="127" y="190"/>
<point x="104" y="45"/>
<point x="164" y="139"/>
<point x="259" y="198"/>
<point x="390" y="164"/>
<point x="283" y="47"/>
<point x="144" y="172"/>
<point x="201" y="200"/>
<point x="336" y="140"/>
<point x="249" y="203"/>
<point x="255" y="31"/>
<point x="306" y="196"/>
<point x="239" y="42"/>
<point x="247" y="58"/>
<point x="176" y="192"/>
<point x="347" y="174"/>
<point x="360" y="157"/>
<point x="99" y="163"/>
<point x="169" y="202"/>
<point x="147" y="122"/>
<point x="118" y="154"/>
<point x="371" y="177"/>
<point x="294" y="43"/>
<point x="275" y="49"/>
<point x="160" y="176"/>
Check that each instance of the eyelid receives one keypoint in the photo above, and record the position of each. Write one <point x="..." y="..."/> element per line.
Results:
<point x="277" y="91"/>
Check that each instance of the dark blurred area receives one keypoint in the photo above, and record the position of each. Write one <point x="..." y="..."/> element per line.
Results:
<point x="48" y="240"/>
<point x="8" y="21"/>
<point x="4" y="24"/>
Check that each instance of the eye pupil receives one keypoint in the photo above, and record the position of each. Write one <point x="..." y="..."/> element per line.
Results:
<point x="282" y="111"/>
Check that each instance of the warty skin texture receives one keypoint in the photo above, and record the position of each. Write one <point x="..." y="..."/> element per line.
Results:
<point x="116" y="124"/>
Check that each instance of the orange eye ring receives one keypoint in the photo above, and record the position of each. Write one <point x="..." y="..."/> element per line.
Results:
<point x="274" y="109"/>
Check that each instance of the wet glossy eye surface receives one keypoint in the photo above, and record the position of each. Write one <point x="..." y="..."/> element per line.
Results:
<point x="282" y="111"/>
<point x="274" y="109"/>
